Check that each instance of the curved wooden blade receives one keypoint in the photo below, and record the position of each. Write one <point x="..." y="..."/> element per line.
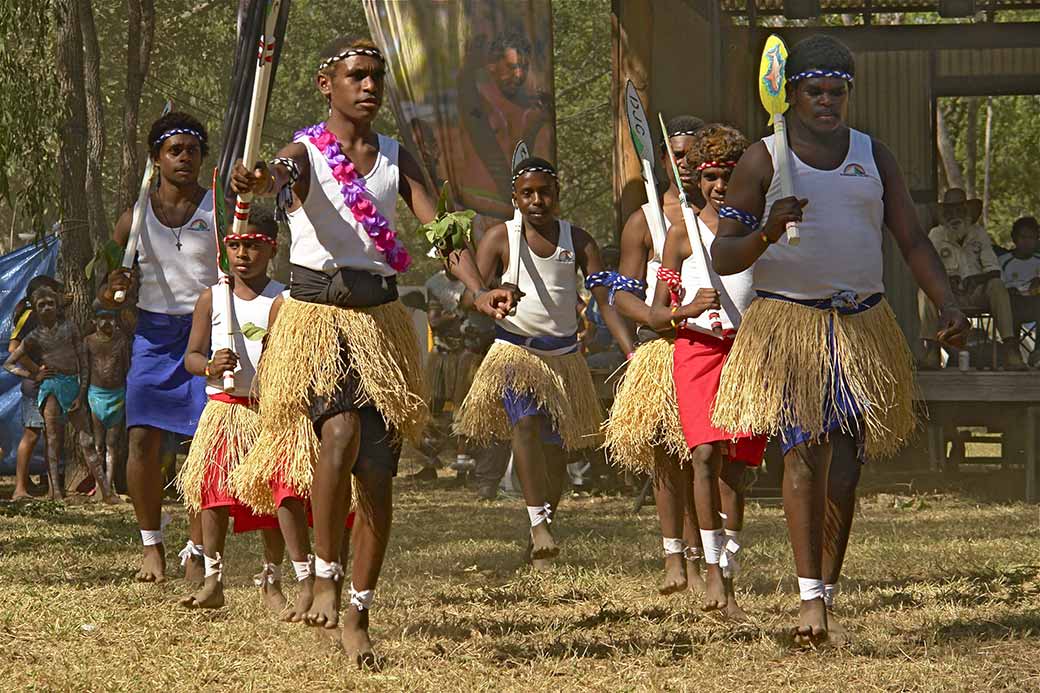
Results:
<point x="520" y="153"/>
<point x="772" y="75"/>
<point x="638" y="124"/>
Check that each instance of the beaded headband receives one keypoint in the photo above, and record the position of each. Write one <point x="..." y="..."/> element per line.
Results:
<point x="717" y="164"/>
<point x="262" y="237"/>
<point x="371" y="52"/>
<point x="680" y="133"/>
<point x="809" y="74"/>
<point x="178" y="131"/>
<point x="534" y="169"/>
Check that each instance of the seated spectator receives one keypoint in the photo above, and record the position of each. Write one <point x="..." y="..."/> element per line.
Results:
<point x="967" y="253"/>
<point x="1020" y="270"/>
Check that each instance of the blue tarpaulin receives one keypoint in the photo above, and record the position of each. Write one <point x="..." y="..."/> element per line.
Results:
<point x="16" y="269"/>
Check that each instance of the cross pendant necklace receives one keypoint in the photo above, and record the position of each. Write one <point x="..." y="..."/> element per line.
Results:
<point x="176" y="232"/>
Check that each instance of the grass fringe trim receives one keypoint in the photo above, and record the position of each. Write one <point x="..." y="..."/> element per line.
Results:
<point x="232" y="428"/>
<point x="779" y="375"/>
<point x="645" y="414"/>
<point x="561" y="385"/>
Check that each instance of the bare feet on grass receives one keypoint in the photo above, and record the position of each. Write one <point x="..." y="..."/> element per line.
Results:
<point x="210" y="596"/>
<point x="194" y="571"/>
<point x="324" y="610"/>
<point x="674" y="574"/>
<point x="112" y="499"/>
<point x="694" y="579"/>
<point x="812" y="623"/>
<point x="837" y="634"/>
<point x="153" y="564"/>
<point x="272" y="595"/>
<point x="732" y="610"/>
<point x="355" y="641"/>
<point x="296" y="612"/>
<point x="715" y="589"/>
<point x="542" y="543"/>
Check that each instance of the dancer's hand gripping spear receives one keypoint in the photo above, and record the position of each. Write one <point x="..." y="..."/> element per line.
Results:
<point x="771" y="90"/>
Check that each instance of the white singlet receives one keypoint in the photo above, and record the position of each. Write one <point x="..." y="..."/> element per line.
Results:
<point x="325" y="235"/>
<point x="657" y="237"/>
<point x="735" y="290"/>
<point x="258" y="312"/>
<point x="172" y="279"/>
<point x="550" y="285"/>
<point x="841" y="229"/>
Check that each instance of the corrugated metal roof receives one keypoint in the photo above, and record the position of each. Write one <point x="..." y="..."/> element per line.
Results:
<point x="874" y="6"/>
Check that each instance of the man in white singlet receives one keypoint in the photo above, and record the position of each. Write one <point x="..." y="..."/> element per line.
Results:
<point x="821" y="310"/>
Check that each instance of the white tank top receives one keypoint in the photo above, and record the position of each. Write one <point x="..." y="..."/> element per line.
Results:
<point x="325" y="235"/>
<point x="550" y="285"/>
<point x="258" y="312"/>
<point x="735" y="290"/>
<point x="657" y="237"/>
<point x="172" y="279"/>
<point x="841" y="228"/>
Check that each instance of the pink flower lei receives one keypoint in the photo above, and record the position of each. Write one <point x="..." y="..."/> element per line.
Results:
<point x="353" y="189"/>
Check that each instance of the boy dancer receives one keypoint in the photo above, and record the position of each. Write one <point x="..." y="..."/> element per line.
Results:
<point x="644" y="433"/>
<point x="699" y="356"/>
<point x="533" y="387"/>
<point x="820" y="361"/>
<point x="176" y="262"/>
<point x="109" y="356"/>
<point x="342" y="365"/>
<point x="63" y="373"/>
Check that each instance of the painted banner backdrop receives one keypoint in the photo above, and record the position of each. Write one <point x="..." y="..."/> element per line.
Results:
<point x="468" y="80"/>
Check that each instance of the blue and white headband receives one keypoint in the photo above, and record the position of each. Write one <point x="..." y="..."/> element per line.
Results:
<point x="537" y="168"/>
<point x="809" y="74"/>
<point x="178" y="131"/>
<point x="370" y="52"/>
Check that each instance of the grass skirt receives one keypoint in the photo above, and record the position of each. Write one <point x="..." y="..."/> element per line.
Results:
<point x="645" y="414"/>
<point x="561" y="385"/>
<point x="225" y="434"/>
<point x="303" y="359"/>
<point x="782" y="370"/>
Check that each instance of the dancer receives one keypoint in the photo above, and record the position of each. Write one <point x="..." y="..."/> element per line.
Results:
<point x="342" y="364"/>
<point x="819" y="361"/>
<point x="644" y="433"/>
<point x="533" y="387"/>
<point x="175" y="264"/>
<point x="716" y="455"/>
<point x="109" y="356"/>
<point x="63" y="374"/>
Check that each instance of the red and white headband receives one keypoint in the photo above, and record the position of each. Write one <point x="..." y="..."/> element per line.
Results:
<point x="717" y="164"/>
<point x="262" y="237"/>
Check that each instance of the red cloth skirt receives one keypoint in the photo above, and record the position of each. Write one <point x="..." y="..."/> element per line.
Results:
<point x="697" y="370"/>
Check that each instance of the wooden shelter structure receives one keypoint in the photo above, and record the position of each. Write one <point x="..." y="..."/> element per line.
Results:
<point x="701" y="57"/>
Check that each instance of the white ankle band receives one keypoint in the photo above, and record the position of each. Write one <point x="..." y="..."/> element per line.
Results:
<point x="810" y="588"/>
<point x="829" y="592"/>
<point x="151" y="537"/>
<point x="330" y="571"/>
<point x="269" y="574"/>
<point x="361" y="600"/>
<point x="214" y="566"/>
<point x="304" y="569"/>
<point x="539" y="514"/>
<point x="672" y="546"/>
<point x="711" y="542"/>
<point x="190" y="550"/>
<point x="693" y="553"/>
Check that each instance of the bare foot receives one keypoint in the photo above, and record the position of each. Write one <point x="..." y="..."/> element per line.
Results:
<point x="195" y="571"/>
<point x="732" y="610"/>
<point x="837" y="635"/>
<point x="302" y="604"/>
<point x="715" y="589"/>
<point x="812" y="623"/>
<point x="543" y="565"/>
<point x="55" y="495"/>
<point x="273" y="598"/>
<point x="542" y="543"/>
<point x="153" y="564"/>
<point x="356" y="644"/>
<point x="324" y="610"/>
<point x="113" y="499"/>
<point x="674" y="574"/>
<point x="694" y="579"/>
<point x="20" y="494"/>
<point x="211" y="596"/>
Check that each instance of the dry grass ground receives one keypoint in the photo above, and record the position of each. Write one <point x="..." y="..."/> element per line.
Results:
<point x="941" y="595"/>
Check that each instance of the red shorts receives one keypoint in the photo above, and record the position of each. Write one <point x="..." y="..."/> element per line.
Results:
<point x="697" y="370"/>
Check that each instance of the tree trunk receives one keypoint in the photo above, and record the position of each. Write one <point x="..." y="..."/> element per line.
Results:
<point x="95" y="116"/>
<point x="988" y="157"/>
<point x="140" y="31"/>
<point x="72" y="170"/>
<point x="947" y="154"/>
<point x="971" y="144"/>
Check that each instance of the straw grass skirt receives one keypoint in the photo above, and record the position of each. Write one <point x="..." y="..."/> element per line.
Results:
<point x="311" y="350"/>
<point x="226" y="433"/>
<point x="560" y="385"/>
<point x="645" y="414"/>
<point x="790" y="368"/>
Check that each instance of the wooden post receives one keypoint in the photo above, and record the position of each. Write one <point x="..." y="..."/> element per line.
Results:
<point x="1031" y="462"/>
<point x="632" y="24"/>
